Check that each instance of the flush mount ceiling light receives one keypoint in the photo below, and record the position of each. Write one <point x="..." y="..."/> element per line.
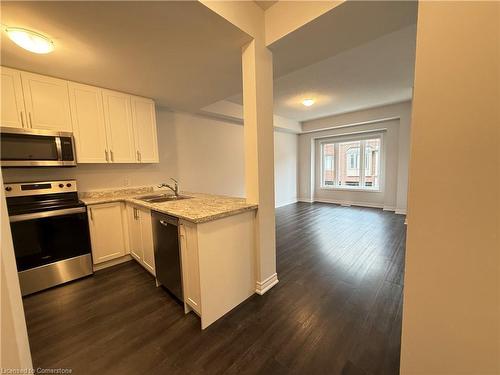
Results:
<point x="30" y="40"/>
<point x="308" y="102"/>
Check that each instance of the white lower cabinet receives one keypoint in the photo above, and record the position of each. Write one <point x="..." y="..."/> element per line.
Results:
<point x="218" y="264"/>
<point x="107" y="224"/>
<point x="190" y="265"/>
<point x="141" y="236"/>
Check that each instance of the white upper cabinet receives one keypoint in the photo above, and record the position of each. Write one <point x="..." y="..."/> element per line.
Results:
<point x="119" y="128"/>
<point x="108" y="126"/>
<point x="12" y="112"/>
<point x="144" y="120"/>
<point x="89" y="128"/>
<point x="47" y="102"/>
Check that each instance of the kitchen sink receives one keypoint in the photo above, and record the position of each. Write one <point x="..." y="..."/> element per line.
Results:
<point x="159" y="198"/>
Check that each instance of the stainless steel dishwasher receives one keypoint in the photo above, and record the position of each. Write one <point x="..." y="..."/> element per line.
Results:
<point x="167" y="252"/>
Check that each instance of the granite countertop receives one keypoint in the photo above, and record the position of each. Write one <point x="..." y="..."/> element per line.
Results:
<point x="199" y="208"/>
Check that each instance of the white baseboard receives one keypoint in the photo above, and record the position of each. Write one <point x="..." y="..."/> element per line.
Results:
<point x="306" y="200"/>
<point x="344" y="203"/>
<point x="291" y="201"/>
<point x="264" y="286"/>
<point x="348" y="203"/>
<point x="112" y="262"/>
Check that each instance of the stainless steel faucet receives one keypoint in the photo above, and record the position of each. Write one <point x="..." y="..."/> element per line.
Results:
<point x="174" y="188"/>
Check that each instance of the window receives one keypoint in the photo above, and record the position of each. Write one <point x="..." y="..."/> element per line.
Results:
<point x="328" y="165"/>
<point x="352" y="164"/>
<point x="353" y="154"/>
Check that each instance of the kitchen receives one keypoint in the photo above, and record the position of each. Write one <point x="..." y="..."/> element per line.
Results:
<point x="146" y="224"/>
<point x="93" y="177"/>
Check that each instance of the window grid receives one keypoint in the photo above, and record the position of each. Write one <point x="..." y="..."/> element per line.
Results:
<point x="361" y="161"/>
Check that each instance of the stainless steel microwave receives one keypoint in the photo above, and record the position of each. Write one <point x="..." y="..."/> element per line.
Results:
<point x="36" y="148"/>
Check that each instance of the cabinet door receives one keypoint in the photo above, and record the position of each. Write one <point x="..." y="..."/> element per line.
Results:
<point x="148" y="254"/>
<point x="134" y="228"/>
<point x="107" y="231"/>
<point x="144" y="120"/>
<point x="12" y="112"/>
<point x="89" y="129"/>
<point x="119" y="129"/>
<point x="190" y="265"/>
<point x="47" y="102"/>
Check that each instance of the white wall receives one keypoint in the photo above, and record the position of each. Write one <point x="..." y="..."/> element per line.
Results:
<point x="209" y="153"/>
<point x="285" y="168"/>
<point x="394" y="121"/>
<point x="205" y="154"/>
<point x="451" y="303"/>
<point x="15" y="350"/>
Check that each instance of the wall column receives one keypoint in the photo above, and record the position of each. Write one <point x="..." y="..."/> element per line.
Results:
<point x="451" y="306"/>
<point x="257" y="66"/>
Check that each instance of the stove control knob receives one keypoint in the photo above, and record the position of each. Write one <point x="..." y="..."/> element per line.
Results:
<point x="8" y="188"/>
<point x="68" y="184"/>
<point x="61" y="185"/>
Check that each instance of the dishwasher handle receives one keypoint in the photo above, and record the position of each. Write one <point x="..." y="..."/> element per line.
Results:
<point x="167" y="221"/>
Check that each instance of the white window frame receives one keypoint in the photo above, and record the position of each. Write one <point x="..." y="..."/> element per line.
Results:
<point x="362" y="170"/>
<point x="357" y="160"/>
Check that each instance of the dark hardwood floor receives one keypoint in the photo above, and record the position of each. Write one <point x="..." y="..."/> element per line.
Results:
<point x="336" y="309"/>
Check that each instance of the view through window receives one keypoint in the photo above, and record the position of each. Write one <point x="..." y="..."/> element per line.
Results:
<point x="351" y="164"/>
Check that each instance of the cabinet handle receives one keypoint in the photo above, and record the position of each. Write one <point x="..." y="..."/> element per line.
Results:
<point x="138" y="155"/>
<point x="22" y="119"/>
<point x="136" y="216"/>
<point x="112" y="156"/>
<point x="31" y="122"/>
<point x="106" y="153"/>
<point x="91" y="216"/>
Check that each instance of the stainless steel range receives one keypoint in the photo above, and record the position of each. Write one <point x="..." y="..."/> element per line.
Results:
<point x="50" y="233"/>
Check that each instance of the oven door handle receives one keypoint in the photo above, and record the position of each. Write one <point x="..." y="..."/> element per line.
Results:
<point x="44" y="214"/>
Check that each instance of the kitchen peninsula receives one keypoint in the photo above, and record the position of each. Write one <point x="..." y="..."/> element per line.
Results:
<point x="215" y="234"/>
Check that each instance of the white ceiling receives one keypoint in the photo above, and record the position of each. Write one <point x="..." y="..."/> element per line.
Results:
<point x="266" y="4"/>
<point x="178" y="52"/>
<point x="374" y="74"/>
<point x="358" y="55"/>
<point x="346" y="26"/>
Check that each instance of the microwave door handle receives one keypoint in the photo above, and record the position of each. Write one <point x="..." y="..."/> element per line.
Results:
<point x="58" y="148"/>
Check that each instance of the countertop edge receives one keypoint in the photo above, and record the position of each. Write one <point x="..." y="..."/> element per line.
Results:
<point x="131" y="200"/>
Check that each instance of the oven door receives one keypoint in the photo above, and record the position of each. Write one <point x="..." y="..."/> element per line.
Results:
<point x="46" y="237"/>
